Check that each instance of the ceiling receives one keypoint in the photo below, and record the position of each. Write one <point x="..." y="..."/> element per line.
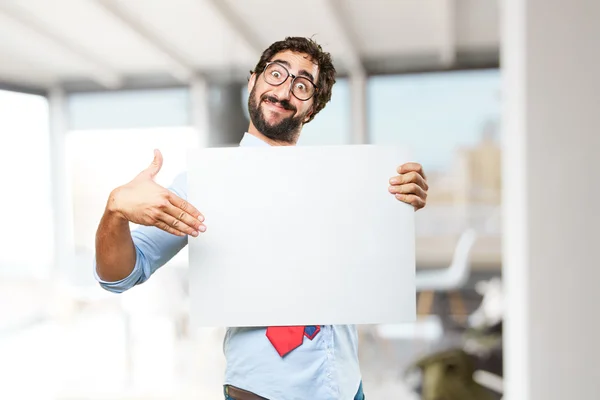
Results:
<point x="111" y="44"/>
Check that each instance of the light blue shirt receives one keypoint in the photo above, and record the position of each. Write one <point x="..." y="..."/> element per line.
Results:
<point x="325" y="368"/>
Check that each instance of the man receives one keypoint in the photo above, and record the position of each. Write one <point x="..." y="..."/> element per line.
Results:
<point x="291" y="83"/>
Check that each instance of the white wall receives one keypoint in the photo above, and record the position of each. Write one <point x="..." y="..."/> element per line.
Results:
<point x="551" y="63"/>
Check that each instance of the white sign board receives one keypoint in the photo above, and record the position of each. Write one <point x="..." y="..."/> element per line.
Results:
<point x="300" y="236"/>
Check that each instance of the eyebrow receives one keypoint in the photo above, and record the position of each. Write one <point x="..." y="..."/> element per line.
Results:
<point x="302" y="72"/>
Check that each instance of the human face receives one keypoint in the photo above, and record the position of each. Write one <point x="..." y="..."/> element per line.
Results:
<point x="274" y="111"/>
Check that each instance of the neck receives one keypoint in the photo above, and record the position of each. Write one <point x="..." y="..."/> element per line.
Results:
<point x="254" y="132"/>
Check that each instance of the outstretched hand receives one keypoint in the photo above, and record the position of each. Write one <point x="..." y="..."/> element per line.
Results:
<point x="410" y="185"/>
<point x="144" y="202"/>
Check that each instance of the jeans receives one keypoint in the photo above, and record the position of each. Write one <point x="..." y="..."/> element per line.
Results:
<point x="360" y="395"/>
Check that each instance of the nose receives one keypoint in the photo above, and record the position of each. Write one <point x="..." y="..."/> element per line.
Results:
<point x="284" y="91"/>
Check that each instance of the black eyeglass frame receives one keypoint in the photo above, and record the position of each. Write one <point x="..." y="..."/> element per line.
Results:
<point x="286" y="78"/>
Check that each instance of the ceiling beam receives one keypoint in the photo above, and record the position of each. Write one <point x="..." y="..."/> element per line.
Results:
<point x="466" y="60"/>
<point x="338" y="15"/>
<point x="238" y="25"/>
<point x="27" y="89"/>
<point x="448" y="33"/>
<point x="180" y="68"/>
<point x="99" y="71"/>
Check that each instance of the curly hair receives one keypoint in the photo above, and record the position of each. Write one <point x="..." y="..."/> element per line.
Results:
<point x="326" y="78"/>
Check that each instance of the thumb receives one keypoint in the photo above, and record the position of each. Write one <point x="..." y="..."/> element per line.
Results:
<point x="156" y="164"/>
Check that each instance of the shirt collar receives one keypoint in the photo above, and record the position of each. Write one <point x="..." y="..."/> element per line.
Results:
<point x="251" y="141"/>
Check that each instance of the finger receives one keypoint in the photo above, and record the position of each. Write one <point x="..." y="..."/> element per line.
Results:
<point x="411" y="199"/>
<point x="188" y="220"/>
<point x="156" y="164"/>
<point x="165" y="218"/>
<point x="165" y="227"/>
<point x="410" y="167"/>
<point x="410" y="177"/>
<point x="409" y="188"/>
<point x="181" y="220"/>
<point x="185" y="206"/>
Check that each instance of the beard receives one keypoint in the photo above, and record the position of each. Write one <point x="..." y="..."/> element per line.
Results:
<point x="285" y="130"/>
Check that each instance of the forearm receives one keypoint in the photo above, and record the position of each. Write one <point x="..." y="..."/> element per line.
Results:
<point x="115" y="251"/>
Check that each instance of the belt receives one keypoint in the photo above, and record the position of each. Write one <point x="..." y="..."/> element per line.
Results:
<point x="240" y="394"/>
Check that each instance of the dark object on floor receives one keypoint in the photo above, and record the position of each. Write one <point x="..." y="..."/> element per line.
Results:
<point x="448" y="375"/>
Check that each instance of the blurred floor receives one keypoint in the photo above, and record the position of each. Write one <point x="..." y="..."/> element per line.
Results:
<point x="85" y="360"/>
<point x="84" y="352"/>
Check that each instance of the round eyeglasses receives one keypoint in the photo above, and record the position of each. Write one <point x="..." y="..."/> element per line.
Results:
<point x="276" y="74"/>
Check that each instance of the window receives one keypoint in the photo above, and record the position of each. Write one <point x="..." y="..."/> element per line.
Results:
<point x="26" y="237"/>
<point x="449" y="122"/>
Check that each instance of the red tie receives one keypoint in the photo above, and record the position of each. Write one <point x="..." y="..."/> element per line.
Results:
<point x="287" y="338"/>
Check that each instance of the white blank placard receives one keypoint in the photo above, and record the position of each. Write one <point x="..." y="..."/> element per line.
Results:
<point x="300" y="236"/>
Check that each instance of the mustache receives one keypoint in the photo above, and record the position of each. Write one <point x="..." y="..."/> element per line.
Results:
<point x="283" y="103"/>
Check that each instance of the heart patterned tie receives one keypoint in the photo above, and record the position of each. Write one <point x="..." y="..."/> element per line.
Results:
<point x="287" y="338"/>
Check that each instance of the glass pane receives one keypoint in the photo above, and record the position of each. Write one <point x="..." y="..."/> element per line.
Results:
<point x="450" y="123"/>
<point x="434" y="114"/>
<point x="331" y="126"/>
<point x="129" y="109"/>
<point x="27" y="244"/>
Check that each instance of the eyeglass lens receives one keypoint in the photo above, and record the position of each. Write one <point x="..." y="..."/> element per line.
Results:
<point x="302" y="88"/>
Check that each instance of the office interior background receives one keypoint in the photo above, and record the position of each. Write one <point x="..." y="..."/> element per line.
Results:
<point x="88" y="88"/>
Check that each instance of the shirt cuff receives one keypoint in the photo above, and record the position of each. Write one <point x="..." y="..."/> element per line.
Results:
<point x="135" y="277"/>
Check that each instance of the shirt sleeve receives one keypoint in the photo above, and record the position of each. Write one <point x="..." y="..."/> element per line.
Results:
<point x="153" y="248"/>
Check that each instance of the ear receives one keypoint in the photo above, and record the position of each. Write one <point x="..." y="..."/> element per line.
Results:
<point x="251" y="82"/>
<point x="307" y="116"/>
